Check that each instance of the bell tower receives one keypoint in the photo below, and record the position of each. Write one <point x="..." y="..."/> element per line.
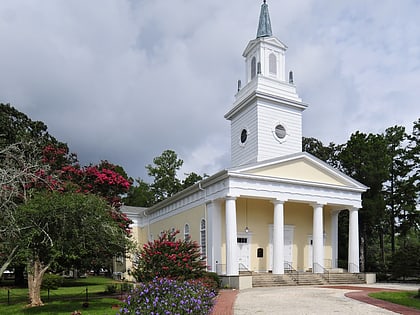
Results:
<point x="266" y="116"/>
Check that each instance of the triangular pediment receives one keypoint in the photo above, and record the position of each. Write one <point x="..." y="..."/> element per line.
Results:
<point x="269" y="40"/>
<point x="301" y="167"/>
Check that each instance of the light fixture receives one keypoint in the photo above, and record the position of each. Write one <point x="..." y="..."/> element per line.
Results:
<point x="246" y="216"/>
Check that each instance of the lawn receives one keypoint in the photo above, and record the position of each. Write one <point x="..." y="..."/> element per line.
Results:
<point x="66" y="299"/>
<point x="406" y="298"/>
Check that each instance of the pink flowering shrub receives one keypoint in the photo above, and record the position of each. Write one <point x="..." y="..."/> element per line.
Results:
<point x="168" y="257"/>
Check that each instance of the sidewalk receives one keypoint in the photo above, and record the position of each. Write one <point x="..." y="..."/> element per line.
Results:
<point x="351" y="300"/>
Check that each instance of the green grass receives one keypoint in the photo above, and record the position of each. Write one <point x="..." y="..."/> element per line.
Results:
<point x="64" y="300"/>
<point x="406" y="298"/>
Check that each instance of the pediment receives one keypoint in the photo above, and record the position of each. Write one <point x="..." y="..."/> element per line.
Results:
<point x="269" y="40"/>
<point x="301" y="168"/>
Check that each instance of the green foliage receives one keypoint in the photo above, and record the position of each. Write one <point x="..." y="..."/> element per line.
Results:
<point x="168" y="257"/>
<point x="406" y="261"/>
<point x="167" y="296"/>
<point x="17" y="127"/>
<point x="69" y="228"/>
<point x="405" y="298"/>
<point x="111" y="288"/>
<point x="165" y="181"/>
<point x="211" y="280"/>
<point x="164" y="171"/>
<point x="51" y="281"/>
<point x="139" y="195"/>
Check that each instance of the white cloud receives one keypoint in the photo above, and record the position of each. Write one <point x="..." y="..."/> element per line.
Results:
<point x="125" y="80"/>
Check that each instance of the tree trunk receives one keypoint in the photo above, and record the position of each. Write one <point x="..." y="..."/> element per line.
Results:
<point x="35" y="273"/>
<point x="8" y="261"/>
<point x="362" y="250"/>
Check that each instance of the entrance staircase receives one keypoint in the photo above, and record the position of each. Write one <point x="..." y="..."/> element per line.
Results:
<point x="304" y="278"/>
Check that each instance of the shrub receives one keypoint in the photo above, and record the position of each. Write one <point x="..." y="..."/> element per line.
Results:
<point x="167" y="257"/>
<point x="111" y="288"/>
<point x="211" y="280"/>
<point x="166" y="296"/>
<point x="51" y="281"/>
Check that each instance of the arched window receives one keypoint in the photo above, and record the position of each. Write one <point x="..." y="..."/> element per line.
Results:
<point x="203" y="240"/>
<point x="253" y="67"/>
<point x="272" y="64"/>
<point x="187" y="235"/>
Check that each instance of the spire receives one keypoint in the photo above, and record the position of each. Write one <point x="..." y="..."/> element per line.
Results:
<point x="264" y="26"/>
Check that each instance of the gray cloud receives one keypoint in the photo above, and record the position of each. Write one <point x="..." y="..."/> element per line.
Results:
<point x="125" y="80"/>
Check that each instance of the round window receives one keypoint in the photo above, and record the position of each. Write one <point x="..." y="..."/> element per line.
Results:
<point x="280" y="132"/>
<point x="244" y="135"/>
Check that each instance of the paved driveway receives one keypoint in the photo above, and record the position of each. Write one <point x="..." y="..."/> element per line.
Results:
<point x="303" y="300"/>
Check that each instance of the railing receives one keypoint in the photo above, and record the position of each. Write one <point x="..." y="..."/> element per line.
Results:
<point x="325" y="272"/>
<point x="244" y="269"/>
<point x="294" y="274"/>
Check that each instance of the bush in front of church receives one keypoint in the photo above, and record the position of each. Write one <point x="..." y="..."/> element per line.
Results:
<point x="168" y="257"/>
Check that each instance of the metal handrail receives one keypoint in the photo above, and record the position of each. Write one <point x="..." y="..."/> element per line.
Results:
<point x="294" y="274"/>
<point x="325" y="274"/>
<point x="243" y="268"/>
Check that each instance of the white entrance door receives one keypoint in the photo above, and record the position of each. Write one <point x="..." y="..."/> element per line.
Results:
<point x="288" y="246"/>
<point x="243" y="252"/>
<point x="310" y="253"/>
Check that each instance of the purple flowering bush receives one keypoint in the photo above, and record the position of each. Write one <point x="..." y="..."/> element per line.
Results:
<point x="163" y="296"/>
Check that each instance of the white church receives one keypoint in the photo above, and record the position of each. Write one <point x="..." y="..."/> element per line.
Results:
<point x="275" y="210"/>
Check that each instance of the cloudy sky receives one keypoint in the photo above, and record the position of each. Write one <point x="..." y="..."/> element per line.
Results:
<point x="124" y="80"/>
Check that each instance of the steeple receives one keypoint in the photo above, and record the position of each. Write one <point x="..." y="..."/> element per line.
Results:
<point x="266" y="116"/>
<point x="264" y="26"/>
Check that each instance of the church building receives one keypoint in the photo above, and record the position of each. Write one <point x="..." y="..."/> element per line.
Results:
<point x="275" y="209"/>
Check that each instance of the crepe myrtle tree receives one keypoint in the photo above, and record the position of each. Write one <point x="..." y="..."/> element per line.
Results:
<point x="66" y="226"/>
<point x="168" y="257"/>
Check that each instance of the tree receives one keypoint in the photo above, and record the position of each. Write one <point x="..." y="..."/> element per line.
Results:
<point x="399" y="190"/>
<point x="168" y="257"/>
<point x="316" y="148"/>
<point x="364" y="157"/>
<point x="140" y="195"/>
<point x="16" y="127"/>
<point x="20" y="167"/>
<point x="164" y="171"/>
<point x="66" y="227"/>
<point x="191" y="179"/>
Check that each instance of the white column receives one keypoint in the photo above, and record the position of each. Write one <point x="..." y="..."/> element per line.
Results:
<point x="334" y="238"/>
<point x="278" y="238"/>
<point x="214" y="252"/>
<point x="232" y="268"/>
<point x="317" y="240"/>
<point x="353" y="240"/>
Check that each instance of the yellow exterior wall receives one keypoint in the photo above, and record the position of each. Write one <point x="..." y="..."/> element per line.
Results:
<point x="192" y="217"/>
<point x="257" y="215"/>
<point x="299" y="170"/>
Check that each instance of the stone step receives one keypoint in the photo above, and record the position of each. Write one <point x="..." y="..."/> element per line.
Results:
<point x="304" y="278"/>
<point x="345" y="278"/>
<point x="269" y="280"/>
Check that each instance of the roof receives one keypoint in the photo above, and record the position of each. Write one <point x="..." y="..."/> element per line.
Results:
<point x="264" y="25"/>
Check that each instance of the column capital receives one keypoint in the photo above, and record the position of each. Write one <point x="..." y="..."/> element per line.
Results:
<point x="231" y="198"/>
<point x="278" y="201"/>
<point x="317" y="204"/>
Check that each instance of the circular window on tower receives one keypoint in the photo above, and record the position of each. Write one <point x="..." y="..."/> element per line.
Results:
<point x="280" y="132"/>
<point x="244" y="136"/>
